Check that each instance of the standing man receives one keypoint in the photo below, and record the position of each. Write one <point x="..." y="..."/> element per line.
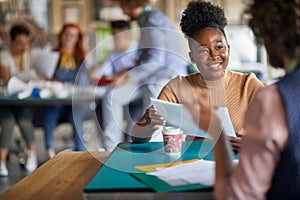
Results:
<point x="160" y="58"/>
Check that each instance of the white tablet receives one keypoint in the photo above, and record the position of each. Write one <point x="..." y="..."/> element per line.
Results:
<point x="177" y="115"/>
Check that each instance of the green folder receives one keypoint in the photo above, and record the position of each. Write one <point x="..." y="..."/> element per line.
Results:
<point x="118" y="173"/>
<point x="158" y="185"/>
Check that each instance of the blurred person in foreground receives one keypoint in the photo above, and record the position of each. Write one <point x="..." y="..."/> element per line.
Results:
<point x="70" y="69"/>
<point x="269" y="163"/>
<point x="14" y="61"/>
<point x="160" y="58"/>
<point x="203" y="24"/>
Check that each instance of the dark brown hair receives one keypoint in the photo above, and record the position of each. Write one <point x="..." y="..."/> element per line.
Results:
<point x="18" y="30"/>
<point x="134" y="3"/>
<point x="277" y="24"/>
<point x="200" y="15"/>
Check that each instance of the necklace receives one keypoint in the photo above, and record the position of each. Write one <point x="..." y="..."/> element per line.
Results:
<point x="67" y="61"/>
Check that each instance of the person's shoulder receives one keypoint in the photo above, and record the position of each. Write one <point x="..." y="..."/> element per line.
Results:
<point x="5" y="52"/>
<point x="175" y="81"/>
<point x="5" y="56"/>
<point x="244" y="78"/>
<point x="268" y="91"/>
<point x="193" y="77"/>
<point x="265" y="100"/>
<point x="154" y="13"/>
<point x="236" y="74"/>
<point x="158" y="19"/>
<point x="268" y="95"/>
<point x="267" y="106"/>
<point x="179" y="79"/>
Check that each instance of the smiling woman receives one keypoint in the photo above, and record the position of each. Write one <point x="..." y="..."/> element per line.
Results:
<point x="203" y="24"/>
<point x="210" y="52"/>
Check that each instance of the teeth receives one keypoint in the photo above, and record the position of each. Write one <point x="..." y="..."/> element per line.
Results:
<point x="214" y="66"/>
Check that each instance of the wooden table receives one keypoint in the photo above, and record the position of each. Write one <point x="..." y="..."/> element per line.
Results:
<point x="66" y="175"/>
<point x="62" y="177"/>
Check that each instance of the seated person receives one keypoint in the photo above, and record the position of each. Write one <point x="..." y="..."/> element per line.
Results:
<point x="269" y="162"/>
<point x="70" y="68"/>
<point x="209" y="49"/>
<point x="13" y="61"/>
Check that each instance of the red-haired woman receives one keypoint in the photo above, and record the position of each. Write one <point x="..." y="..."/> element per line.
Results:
<point x="70" y="66"/>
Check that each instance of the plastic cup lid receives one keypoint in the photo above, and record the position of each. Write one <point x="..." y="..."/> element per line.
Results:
<point x="172" y="130"/>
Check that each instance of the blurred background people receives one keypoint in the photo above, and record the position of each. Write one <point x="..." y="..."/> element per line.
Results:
<point x="13" y="61"/>
<point x="123" y="55"/>
<point x="159" y="60"/>
<point x="70" y="68"/>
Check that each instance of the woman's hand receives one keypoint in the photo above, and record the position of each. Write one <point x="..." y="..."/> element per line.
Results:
<point x="150" y="122"/>
<point x="156" y="120"/>
<point x="236" y="143"/>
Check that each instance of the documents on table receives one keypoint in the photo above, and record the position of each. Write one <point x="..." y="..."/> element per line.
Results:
<point x="177" y="115"/>
<point x="198" y="172"/>
<point x="44" y="62"/>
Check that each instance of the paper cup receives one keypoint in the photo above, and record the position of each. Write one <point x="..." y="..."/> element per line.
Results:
<point x="172" y="140"/>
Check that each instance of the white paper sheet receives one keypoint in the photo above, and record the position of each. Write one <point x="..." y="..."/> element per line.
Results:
<point x="198" y="172"/>
<point x="177" y="115"/>
<point x="27" y="75"/>
<point x="44" y="62"/>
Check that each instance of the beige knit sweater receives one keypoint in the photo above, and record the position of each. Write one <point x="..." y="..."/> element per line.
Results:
<point x="235" y="91"/>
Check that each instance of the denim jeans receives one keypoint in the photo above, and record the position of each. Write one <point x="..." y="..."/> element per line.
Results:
<point x="51" y="117"/>
<point x="115" y="107"/>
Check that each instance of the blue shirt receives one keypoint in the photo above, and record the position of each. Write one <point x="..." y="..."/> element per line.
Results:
<point x="116" y="61"/>
<point x="160" y="49"/>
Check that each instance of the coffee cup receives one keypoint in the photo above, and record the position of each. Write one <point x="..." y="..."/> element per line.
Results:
<point x="172" y="137"/>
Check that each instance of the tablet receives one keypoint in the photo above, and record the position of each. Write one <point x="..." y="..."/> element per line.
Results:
<point x="177" y="115"/>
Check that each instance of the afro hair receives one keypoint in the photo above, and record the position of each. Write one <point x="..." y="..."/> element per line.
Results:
<point x="199" y="15"/>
